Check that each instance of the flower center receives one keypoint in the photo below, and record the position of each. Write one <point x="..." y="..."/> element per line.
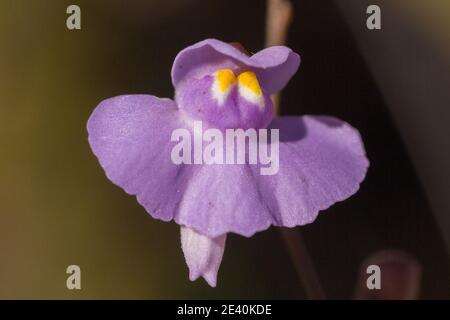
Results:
<point x="226" y="100"/>
<point x="248" y="87"/>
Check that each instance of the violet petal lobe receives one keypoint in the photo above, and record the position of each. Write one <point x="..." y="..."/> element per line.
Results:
<point x="203" y="254"/>
<point x="274" y="66"/>
<point x="130" y="136"/>
<point x="223" y="198"/>
<point x="322" y="161"/>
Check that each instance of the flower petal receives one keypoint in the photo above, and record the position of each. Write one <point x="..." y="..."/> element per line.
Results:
<point x="130" y="135"/>
<point x="322" y="161"/>
<point x="273" y="66"/>
<point x="203" y="254"/>
<point x="222" y="198"/>
<point x="280" y="64"/>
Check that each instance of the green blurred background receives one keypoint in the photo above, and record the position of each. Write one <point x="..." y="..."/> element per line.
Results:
<point x="57" y="208"/>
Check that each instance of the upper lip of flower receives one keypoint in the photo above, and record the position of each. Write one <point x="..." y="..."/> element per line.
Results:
<point x="205" y="57"/>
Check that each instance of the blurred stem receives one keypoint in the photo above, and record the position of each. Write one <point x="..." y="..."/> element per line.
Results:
<point x="278" y="18"/>
<point x="303" y="263"/>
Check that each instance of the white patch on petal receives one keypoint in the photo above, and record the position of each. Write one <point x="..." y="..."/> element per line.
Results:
<point x="251" y="97"/>
<point x="250" y="89"/>
<point x="224" y="81"/>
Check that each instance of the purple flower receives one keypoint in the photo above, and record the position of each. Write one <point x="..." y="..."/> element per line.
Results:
<point x="321" y="159"/>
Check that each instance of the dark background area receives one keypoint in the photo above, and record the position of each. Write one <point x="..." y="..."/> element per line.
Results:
<point x="59" y="209"/>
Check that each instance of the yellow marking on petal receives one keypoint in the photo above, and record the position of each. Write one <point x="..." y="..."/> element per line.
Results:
<point x="225" y="78"/>
<point x="249" y="80"/>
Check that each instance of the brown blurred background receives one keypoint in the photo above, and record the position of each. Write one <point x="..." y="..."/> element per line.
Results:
<point x="57" y="208"/>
